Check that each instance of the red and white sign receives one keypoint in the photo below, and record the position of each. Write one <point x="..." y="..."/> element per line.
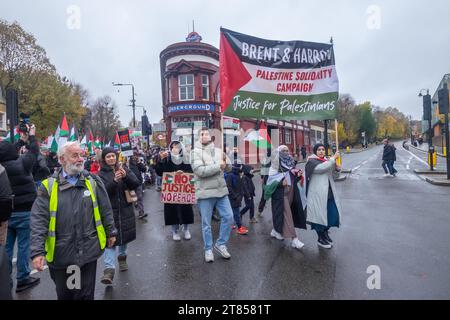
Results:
<point x="178" y="188"/>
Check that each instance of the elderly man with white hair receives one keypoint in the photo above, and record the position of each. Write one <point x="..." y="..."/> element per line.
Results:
<point x="71" y="224"/>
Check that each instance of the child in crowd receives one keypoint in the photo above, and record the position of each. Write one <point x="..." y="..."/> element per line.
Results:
<point x="234" y="184"/>
<point x="248" y="188"/>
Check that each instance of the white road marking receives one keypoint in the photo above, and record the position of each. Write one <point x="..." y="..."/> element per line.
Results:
<point x="409" y="162"/>
<point x="420" y="160"/>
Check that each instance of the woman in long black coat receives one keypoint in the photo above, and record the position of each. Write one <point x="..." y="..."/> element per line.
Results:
<point x="117" y="179"/>
<point x="176" y="214"/>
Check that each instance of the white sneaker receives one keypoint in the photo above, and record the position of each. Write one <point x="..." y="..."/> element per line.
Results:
<point x="222" y="250"/>
<point x="176" y="237"/>
<point x="209" y="256"/>
<point x="297" y="244"/>
<point x="187" y="235"/>
<point x="275" y="234"/>
<point x="386" y="175"/>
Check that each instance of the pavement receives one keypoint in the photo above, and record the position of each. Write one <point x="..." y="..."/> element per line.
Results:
<point x="397" y="226"/>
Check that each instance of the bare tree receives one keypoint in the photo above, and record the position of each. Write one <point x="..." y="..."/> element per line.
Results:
<point x="104" y="119"/>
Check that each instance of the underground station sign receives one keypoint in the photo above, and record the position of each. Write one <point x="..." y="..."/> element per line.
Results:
<point x="191" y="107"/>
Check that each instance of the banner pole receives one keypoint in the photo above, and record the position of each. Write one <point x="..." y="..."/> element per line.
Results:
<point x="221" y="132"/>
<point x="337" y="140"/>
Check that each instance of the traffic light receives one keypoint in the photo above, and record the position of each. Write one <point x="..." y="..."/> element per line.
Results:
<point x="146" y="126"/>
<point x="443" y="99"/>
<point x="427" y="107"/>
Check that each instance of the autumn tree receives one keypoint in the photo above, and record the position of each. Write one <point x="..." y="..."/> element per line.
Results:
<point x="43" y="94"/>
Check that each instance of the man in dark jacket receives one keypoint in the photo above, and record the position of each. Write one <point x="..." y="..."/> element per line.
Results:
<point x="138" y="168"/>
<point x="5" y="213"/>
<point x="303" y="151"/>
<point x="19" y="170"/>
<point x="389" y="158"/>
<point x="73" y="236"/>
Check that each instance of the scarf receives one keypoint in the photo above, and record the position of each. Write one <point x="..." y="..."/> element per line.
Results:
<point x="177" y="159"/>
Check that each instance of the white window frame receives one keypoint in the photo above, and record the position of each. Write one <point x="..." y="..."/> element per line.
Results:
<point x="185" y="86"/>
<point x="205" y="86"/>
<point x="287" y="136"/>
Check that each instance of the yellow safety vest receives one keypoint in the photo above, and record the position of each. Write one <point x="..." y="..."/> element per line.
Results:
<point x="51" y="185"/>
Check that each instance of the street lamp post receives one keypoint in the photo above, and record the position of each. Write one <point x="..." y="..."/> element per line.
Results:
<point x="427" y="116"/>
<point x="133" y="101"/>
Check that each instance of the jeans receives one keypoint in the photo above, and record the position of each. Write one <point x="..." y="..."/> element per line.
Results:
<point x="140" y="202"/>
<point x="389" y="165"/>
<point x="249" y="205"/>
<point x="158" y="181"/>
<point x="19" y="228"/>
<point x="223" y="206"/>
<point x="109" y="256"/>
<point x="237" y="216"/>
<point x="176" y="227"/>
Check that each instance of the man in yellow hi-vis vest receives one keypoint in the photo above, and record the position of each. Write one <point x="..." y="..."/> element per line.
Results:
<point x="71" y="224"/>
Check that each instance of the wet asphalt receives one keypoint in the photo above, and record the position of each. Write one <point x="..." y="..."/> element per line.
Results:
<point x="399" y="226"/>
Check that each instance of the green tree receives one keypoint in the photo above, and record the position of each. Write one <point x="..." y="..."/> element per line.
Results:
<point x="367" y="121"/>
<point x="43" y="93"/>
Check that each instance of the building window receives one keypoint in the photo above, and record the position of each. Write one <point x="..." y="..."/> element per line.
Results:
<point x="287" y="136"/>
<point x="169" y="85"/>
<point x="2" y="121"/>
<point x="205" y="87"/>
<point x="319" y="136"/>
<point x="186" y="87"/>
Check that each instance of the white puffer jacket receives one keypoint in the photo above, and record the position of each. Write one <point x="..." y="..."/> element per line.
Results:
<point x="210" y="182"/>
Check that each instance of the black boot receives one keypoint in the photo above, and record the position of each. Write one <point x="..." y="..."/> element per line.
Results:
<point x="27" y="283"/>
<point x="322" y="242"/>
<point x="327" y="237"/>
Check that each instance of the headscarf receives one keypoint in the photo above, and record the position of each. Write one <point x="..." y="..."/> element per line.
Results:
<point x="177" y="159"/>
<point x="281" y="163"/>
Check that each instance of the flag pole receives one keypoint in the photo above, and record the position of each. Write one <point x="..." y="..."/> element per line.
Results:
<point x="339" y="162"/>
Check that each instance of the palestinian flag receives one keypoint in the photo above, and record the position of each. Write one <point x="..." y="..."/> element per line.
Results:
<point x="90" y="143"/>
<point x="16" y="135"/>
<point x="272" y="184"/>
<point x="64" y="131"/>
<point x="97" y="143"/>
<point x="83" y="142"/>
<point x="286" y="80"/>
<point x="168" y="178"/>
<point x="54" y="145"/>
<point x="73" y="134"/>
<point x="260" y="138"/>
<point x="116" y="142"/>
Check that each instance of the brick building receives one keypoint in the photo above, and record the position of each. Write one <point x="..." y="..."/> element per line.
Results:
<point x="191" y="99"/>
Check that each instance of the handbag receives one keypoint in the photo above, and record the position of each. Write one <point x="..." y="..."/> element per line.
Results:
<point x="131" y="196"/>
